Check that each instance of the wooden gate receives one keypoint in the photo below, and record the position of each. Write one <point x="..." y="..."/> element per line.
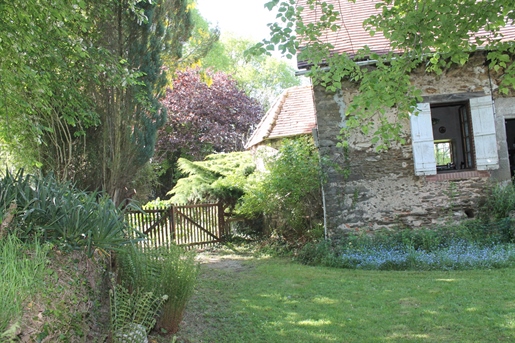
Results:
<point x="186" y="225"/>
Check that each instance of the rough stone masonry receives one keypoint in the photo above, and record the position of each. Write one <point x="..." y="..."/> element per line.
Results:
<point x="370" y="190"/>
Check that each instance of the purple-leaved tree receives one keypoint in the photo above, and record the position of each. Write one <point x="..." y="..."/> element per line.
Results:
<point x="207" y="113"/>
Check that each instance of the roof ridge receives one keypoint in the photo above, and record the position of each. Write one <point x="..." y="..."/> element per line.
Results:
<point x="292" y="114"/>
<point x="278" y="110"/>
<point x="253" y="140"/>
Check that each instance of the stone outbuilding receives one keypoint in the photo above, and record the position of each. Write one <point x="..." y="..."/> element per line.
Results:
<point x="292" y="114"/>
<point x="462" y="138"/>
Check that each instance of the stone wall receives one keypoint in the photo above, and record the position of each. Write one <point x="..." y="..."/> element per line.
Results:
<point x="370" y="190"/>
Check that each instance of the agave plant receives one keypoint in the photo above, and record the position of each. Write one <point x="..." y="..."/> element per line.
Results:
<point x="58" y="212"/>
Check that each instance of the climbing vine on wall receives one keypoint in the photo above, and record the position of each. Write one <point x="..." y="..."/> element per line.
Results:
<point x="434" y="35"/>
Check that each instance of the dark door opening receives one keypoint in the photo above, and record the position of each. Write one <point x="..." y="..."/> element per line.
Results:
<point x="510" y="140"/>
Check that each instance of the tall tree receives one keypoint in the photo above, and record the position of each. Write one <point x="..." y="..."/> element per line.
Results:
<point x="261" y="77"/>
<point x="47" y="59"/>
<point x="207" y="113"/>
<point x="80" y="84"/>
<point x="128" y="104"/>
<point x="202" y="40"/>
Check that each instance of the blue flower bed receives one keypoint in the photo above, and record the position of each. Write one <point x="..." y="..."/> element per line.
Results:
<point x="458" y="255"/>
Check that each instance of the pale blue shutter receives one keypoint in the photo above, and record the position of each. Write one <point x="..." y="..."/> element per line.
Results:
<point x="483" y="127"/>
<point x="423" y="141"/>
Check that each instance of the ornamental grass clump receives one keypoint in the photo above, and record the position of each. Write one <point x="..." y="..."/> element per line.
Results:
<point x="178" y="276"/>
<point x="21" y="269"/>
<point x="168" y="270"/>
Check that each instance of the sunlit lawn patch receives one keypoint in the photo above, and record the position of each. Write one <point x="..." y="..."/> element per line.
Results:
<point x="273" y="300"/>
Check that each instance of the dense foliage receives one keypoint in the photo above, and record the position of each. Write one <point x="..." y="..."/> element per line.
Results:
<point x="288" y="192"/>
<point x="39" y="215"/>
<point x="434" y="35"/>
<point x="261" y="77"/>
<point x="80" y="83"/>
<point x="206" y="113"/>
<point x="57" y="212"/>
<point x="128" y="101"/>
<point x="219" y="178"/>
<point x="46" y="61"/>
<point x="498" y="203"/>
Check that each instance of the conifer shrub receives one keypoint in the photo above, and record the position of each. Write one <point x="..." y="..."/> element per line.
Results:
<point x="284" y="200"/>
<point x="219" y="178"/>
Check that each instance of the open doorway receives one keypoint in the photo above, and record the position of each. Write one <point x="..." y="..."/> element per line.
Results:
<point x="510" y="140"/>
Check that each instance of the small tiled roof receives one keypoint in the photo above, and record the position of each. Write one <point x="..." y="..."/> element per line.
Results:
<point x="292" y="114"/>
<point x="352" y="36"/>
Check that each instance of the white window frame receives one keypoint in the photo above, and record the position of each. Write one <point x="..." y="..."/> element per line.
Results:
<point x="484" y="136"/>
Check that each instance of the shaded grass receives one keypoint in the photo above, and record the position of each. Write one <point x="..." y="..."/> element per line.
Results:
<point x="274" y="300"/>
<point x="48" y="296"/>
<point x="21" y="267"/>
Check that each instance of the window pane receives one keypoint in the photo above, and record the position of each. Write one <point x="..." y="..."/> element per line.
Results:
<point x="443" y="153"/>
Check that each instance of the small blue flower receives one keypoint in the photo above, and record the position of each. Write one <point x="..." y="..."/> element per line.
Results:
<point x="456" y="255"/>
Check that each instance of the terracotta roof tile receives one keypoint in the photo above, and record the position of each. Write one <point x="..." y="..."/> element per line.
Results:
<point x="352" y="36"/>
<point x="292" y="114"/>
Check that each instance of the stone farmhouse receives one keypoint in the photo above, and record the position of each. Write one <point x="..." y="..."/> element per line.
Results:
<point x="462" y="138"/>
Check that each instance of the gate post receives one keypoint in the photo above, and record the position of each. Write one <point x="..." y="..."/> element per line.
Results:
<point x="174" y="226"/>
<point x="221" y="222"/>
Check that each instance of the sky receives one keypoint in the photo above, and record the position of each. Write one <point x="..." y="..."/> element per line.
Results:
<point x="243" y="18"/>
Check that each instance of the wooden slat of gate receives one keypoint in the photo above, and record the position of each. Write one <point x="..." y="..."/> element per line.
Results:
<point x="189" y="215"/>
<point x="156" y="227"/>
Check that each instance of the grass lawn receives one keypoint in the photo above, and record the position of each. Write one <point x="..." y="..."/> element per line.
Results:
<point x="275" y="300"/>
